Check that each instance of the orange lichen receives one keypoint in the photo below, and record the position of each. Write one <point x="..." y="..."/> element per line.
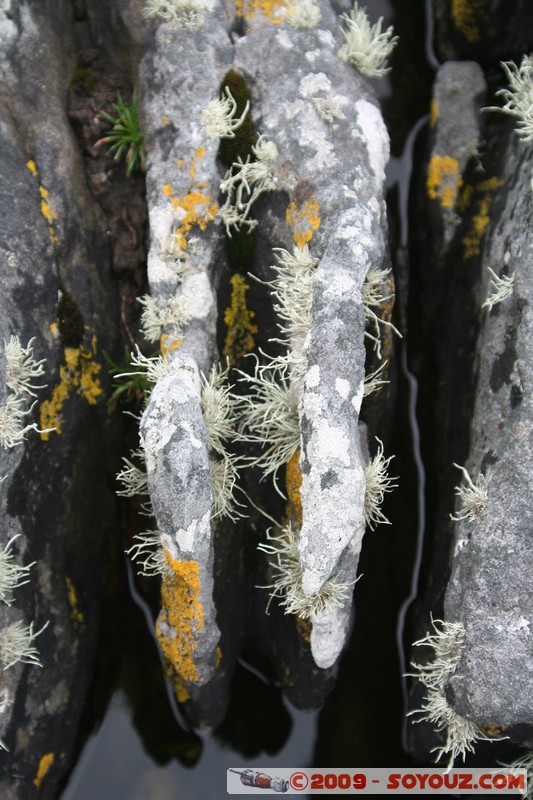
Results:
<point x="167" y="344"/>
<point x="293" y="483"/>
<point x="444" y="180"/>
<point x="167" y="190"/>
<point x="75" y="614"/>
<point x="480" y="220"/>
<point x="44" y="765"/>
<point x="492" y="730"/>
<point x="272" y="10"/>
<point x="195" y="209"/>
<point x="466" y="15"/>
<point x="434" y="112"/>
<point x="78" y="375"/>
<point x="240" y="329"/>
<point x="304" y="220"/>
<point x="180" y="622"/>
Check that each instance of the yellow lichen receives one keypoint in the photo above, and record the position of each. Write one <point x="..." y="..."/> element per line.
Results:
<point x="272" y="10"/>
<point x="492" y="730"/>
<point x="433" y="113"/>
<point x="304" y="220"/>
<point x="293" y="483"/>
<point x="180" y="622"/>
<point x="166" y="120"/>
<point x="240" y="329"/>
<point x="78" y="375"/>
<point x="44" y="765"/>
<point x="444" y="180"/>
<point x="480" y="220"/>
<point x="466" y="15"/>
<point x="218" y="654"/>
<point x="46" y="209"/>
<point x="193" y="209"/>
<point x="167" y="190"/>
<point x="303" y="627"/>
<point x="167" y="344"/>
<point x="75" y="613"/>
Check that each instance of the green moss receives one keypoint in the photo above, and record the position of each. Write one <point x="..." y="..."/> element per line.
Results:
<point x="70" y="321"/>
<point x="241" y="145"/>
<point x="82" y="74"/>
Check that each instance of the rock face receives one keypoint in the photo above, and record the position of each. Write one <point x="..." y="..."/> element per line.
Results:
<point x="56" y="495"/>
<point x="311" y="193"/>
<point x="481" y="241"/>
<point x="492" y="551"/>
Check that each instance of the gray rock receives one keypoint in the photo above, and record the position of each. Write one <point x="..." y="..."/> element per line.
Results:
<point x="329" y="182"/>
<point x="458" y="95"/>
<point x="57" y="494"/>
<point x="488" y="589"/>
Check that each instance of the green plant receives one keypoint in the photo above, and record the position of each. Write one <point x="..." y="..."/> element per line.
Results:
<point x="125" y="136"/>
<point x="134" y="385"/>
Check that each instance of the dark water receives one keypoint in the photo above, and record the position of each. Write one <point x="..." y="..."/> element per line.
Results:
<point x="139" y="747"/>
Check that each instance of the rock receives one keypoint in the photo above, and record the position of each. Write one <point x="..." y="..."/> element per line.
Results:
<point x="478" y="425"/>
<point x="493" y="683"/>
<point x="458" y="96"/>
<point x="483" y="30"/>
<point x="57" y="494"/>
<point x="328" y="178"/>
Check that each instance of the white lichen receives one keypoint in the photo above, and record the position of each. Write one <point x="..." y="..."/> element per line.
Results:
<point x="178" y="13"/>
<point x="218" y="117"/>
<point x="132" y="477"/>
<point x="303" y="13"/>
<point x="472" y="497"/>
<point x="500" y="289"/>
<point x="16" y="645"/>
<point x="366" y="47"/>
<point x="12" y="575"/>
<point x="152" y="367"/>
<point x="270" y="417"/>
<point x="523" y="762"/>
<point x="21" y="367"/>
<point x="518" y="97"/>
<point x="149" y="554"/>
<point x="287" y="574"/>
<point x="373" y="381"/>
<point x="174" y="256"/>
<point x="378" y="482"/>
<point x="220" y="413"/>
<point x="224" y="474"/>
<point x="12" y="428"/>
<point x="373" y="297"/>
<point x="461" y="733"/>
<point x="245" y="182"/>
<point x="292" y="290"/>
<point x="328" y="108"/>
<point x="174" y="314"/>
<point x="448" y="643"/>
<point x="219" y="408"/>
